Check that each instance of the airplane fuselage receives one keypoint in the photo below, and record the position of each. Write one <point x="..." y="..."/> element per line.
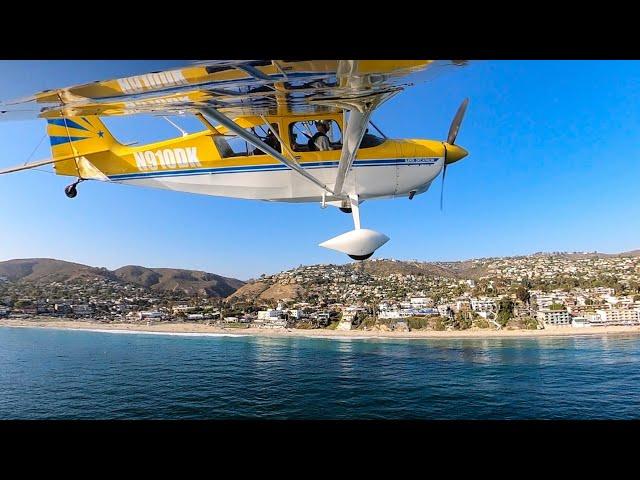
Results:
<point x="204" y="163"/>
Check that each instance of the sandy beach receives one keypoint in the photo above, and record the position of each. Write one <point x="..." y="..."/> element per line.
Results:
<point x="196" y="328"/>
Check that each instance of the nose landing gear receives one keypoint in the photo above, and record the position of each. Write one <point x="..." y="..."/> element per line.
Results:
<point x="71" y="191"/>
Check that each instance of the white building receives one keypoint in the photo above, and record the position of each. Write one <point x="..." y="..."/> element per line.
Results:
<point x="554" y="317"/>
<point x="580" y="322"/>
<point x="182" y="309"/>
<point x="270" y="319"/>
<point x="616" y="316"/>
<point x="150" y="314"/>
<point x="419" y="302"/>
<point x="602" y="291"/>
<point x="444" y="309"/>
<point x="545" y="300"/>
<point x="296" y="313"/>
<point x="269" y="314"/>
<point x="389" y="314"/>
<point x="483" y="304"/>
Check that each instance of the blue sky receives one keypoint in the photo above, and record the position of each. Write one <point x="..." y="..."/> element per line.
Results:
<point x="554" y="165"/>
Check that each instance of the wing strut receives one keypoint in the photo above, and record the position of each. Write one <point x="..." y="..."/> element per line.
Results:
<point x="356" y="125"/>
<point x="258" y="143"/>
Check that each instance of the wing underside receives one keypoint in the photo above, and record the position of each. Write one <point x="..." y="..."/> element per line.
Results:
<point x="235" y="88"/>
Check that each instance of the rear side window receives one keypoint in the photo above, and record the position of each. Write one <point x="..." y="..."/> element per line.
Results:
<point x="230" y="145"/>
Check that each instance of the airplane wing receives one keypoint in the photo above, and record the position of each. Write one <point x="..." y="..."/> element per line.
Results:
<point x="238" y="88"/>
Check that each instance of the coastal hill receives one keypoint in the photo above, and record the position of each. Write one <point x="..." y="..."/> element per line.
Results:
<point x="48" y="270"/>
<point x="293" y="284"/>
<point x="172" y="279"/>
<point x="305" y="281"/>
<point x="265" y="291"/>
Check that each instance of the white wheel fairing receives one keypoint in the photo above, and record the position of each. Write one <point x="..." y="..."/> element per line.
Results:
<point x="360" y="243"/>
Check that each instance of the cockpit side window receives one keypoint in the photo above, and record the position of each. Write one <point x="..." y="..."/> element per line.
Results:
<point x="312" y="135"/>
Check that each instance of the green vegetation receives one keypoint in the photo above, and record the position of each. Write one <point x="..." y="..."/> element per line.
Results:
<point x="481" y="323"/>
<point x="307" y="325"/>
<point x="556" y="306"/>
<point x="522" y="294"/>
<point x="332" y="325"/>
<point x="505" y="311"/>
<point x="463" y="320"/>
<point x="437" y="323"/>
<point x="418" y="323"/>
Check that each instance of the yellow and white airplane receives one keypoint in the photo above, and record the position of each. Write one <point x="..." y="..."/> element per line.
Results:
<point x="282" y="131"/>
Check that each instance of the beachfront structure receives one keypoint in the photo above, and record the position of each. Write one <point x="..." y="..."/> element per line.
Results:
<point x="483" y="304"/>
<point x="270" y="318"/>
<point x="149" y="315"/>
<point x="82" y="309"/>
<point x="296" y="313"/>
<point x="554" y="317"/>
<point x="580" y="322"/>
<point x="616" y="316"/>
<point x="62" y="308"/>
<point x="269" y="314"/>
<point x="445" y="310"/>
<point x="390" y="314"/>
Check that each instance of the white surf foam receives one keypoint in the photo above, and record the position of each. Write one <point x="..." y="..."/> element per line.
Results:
<point x="134" y="332"/>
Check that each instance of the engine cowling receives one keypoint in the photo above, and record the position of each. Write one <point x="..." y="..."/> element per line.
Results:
<point x="359" y="244"/>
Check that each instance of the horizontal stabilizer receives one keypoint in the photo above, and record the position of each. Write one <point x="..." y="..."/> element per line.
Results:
<point x="28" y="166"/>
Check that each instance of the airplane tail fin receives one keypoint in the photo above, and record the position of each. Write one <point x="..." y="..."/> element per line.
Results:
<point x="80" y="139"/>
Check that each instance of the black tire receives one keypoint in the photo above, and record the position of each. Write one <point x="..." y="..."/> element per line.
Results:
<point x="361" y="257"/>
<point x="71" y="191"/>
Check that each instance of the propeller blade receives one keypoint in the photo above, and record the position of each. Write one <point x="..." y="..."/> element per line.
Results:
<point x="444" y="173"/>
<point x="457" y="120"/>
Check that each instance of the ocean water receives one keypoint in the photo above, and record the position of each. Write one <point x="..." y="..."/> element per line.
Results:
<point x="64" y="374"/>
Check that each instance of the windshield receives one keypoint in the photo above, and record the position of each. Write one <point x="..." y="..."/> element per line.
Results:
<point x="372" y="137"/>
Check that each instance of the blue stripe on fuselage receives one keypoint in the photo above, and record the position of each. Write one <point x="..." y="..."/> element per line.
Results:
<point x="386" y="162"/>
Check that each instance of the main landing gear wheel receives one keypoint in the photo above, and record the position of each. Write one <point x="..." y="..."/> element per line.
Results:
<point x="71" y="191"/>
<point x="359" y="243"/>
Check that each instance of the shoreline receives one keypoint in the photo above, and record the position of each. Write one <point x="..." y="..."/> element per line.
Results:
<point x="196" y="329"/>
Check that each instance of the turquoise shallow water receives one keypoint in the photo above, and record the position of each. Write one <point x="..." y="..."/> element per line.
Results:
<point x="60" y="374"/>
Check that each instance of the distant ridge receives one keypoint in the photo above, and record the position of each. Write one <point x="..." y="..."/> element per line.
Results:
<point x="191" y="282"/>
